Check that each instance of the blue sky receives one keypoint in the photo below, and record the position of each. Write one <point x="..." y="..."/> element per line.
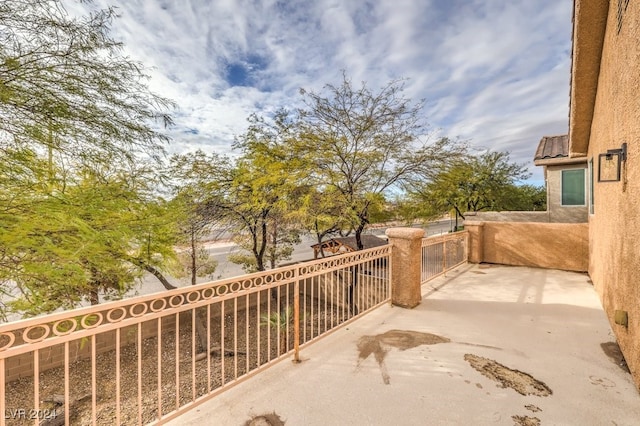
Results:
<point x="494" y="72"/>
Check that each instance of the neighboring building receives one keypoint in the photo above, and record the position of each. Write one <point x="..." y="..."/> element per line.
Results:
<point x="345" y="245"/>
<point x="565" y="178"/>
<point x="566" y="182"/>
<point x="604" y="122"/>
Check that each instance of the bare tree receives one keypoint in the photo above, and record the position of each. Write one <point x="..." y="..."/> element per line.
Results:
<point x="362" y="143"/>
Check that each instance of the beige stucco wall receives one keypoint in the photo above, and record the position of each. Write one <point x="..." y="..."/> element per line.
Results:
<point x="558" y="212"/>
<point x="545" y="245"/>
<point x="541" y="216"/>
<point x="614" y="229"/>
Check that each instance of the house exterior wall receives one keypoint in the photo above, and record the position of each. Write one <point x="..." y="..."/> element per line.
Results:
<point x="557" y="212"/>
<point x="614" y="228"/>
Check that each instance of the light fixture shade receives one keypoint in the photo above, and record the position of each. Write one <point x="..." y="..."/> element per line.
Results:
<point x="609" y="167"/>
<point x="610" y="164"/>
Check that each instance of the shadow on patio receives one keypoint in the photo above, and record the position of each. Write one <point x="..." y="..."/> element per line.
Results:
<point x="487" y="345"/>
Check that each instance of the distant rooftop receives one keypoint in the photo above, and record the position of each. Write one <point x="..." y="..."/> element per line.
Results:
<point x="554" y="150"/>
<point x="552" y="147"/>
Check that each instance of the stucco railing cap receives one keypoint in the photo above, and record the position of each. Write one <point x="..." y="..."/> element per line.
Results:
<point x="405" y="233"/>
<point x="473" y="223"/>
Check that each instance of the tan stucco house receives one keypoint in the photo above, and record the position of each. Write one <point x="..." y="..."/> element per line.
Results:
<point x="565" y="179"/>
<point x="604" y="131"/>
<point x="604" y="127"/>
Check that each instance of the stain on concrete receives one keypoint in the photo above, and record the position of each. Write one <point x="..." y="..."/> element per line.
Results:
<point x="475" y="345"/>
<point x="269" y="419"/>
<point x="612" y="350"/>
<point x="526" y="421"/>
<point x="599" y="381"/>
<point x="381" y="344"/>
<point x="521" y="382"/>
<point x="533" y="408"/>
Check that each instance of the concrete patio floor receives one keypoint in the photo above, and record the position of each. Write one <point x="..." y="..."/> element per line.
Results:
<point x="501" y="321"/>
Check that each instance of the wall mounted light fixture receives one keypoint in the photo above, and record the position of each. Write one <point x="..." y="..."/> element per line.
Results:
<point x="610" y="164"/>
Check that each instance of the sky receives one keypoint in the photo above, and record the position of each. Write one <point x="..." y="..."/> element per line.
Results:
<point x="492" y="72"/>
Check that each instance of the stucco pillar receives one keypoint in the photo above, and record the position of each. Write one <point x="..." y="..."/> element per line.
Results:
<point x="406" y="264"/>
<point x="476" y="240"/>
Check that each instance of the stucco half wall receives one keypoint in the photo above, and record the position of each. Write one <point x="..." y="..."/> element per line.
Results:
<point x="562" y="246"/>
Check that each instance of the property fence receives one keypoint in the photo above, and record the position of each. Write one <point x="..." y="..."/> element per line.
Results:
<point x="443" y="253"/>
<point x="150" y="358"/>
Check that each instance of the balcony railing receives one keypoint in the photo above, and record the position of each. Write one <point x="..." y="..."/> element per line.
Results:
<point x="443" y="253"/>
<point x="149" y="358"/>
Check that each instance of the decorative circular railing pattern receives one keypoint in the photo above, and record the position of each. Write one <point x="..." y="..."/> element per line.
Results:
<point x="137" y="309"/>
<point x="29" y="337"/>
<point x="122" y="312"/>
<point x="64" y="326"/>
<point x="96" y="318"/>
<point x="6" y="340"/>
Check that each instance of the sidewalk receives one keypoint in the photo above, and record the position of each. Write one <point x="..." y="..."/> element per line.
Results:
<point x="510" y="329"/>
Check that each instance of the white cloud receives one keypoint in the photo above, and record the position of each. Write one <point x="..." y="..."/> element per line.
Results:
<point x="494" y="72"/>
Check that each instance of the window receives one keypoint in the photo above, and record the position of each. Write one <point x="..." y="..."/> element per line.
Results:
<point x="573" y="188"/>
<point x="591" y="203"/>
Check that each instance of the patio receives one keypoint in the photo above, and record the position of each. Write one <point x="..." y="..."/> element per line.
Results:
<point x="540" y="331"/>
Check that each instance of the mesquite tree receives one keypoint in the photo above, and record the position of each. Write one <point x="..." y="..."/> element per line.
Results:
<point x="362" y="143"/>
<point x="78" y="152"/>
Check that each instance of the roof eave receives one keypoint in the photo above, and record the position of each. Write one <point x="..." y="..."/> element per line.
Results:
<point x="589" y="26"/>
<point x="559" y="161"/>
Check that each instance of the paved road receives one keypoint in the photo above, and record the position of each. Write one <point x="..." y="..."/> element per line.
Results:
<point x="227" y="269"/>
<point x="301" y="251"/>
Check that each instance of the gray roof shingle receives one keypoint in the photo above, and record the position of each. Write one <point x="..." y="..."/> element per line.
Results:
<point x="552" y="147"/>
